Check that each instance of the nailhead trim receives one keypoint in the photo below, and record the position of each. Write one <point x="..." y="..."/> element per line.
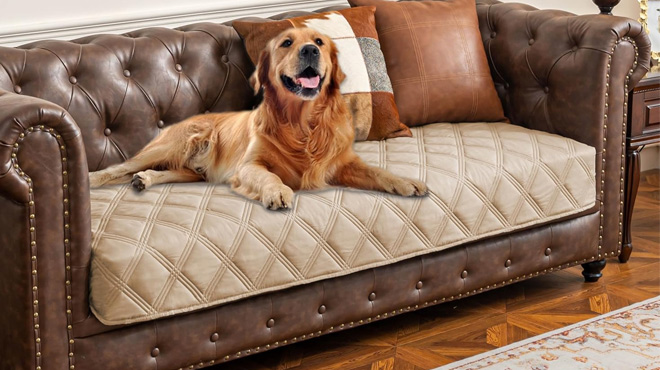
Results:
<point x="396" y="312"/>
<point x="623" y="144"/>
<point x="33" y="241"/>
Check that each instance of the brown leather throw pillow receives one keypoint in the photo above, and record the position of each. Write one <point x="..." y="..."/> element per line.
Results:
<point x="436" y="61"/>
<point x="367" y="89"/>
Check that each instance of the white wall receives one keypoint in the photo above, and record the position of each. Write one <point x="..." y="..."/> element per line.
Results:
<point x="626" y="8"/>
<point x="29" y="20"/>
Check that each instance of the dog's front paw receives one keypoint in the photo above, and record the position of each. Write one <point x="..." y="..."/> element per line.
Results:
<point x="409" y="188"/>
<point x="140" y="181"/>
<point x="277" y="196"/>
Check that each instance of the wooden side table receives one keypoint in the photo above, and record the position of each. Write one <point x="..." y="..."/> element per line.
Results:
<point x="643" y="129"/>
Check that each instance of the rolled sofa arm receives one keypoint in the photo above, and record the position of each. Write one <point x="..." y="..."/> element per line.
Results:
<point x="570" y="75"/>
<point x="45" y="238"/>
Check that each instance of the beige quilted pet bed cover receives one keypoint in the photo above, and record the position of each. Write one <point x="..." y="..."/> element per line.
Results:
<point x="182" y="247"/>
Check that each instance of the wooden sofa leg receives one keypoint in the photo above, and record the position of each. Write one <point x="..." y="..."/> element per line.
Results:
<point x="592" y="270"/>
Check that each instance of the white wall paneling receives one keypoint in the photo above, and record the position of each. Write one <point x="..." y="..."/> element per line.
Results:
<point x="25" y="21"/>
<point x="30" y="20"/>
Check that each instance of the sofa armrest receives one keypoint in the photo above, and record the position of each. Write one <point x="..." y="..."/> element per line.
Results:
<point x="570" y="75"/>
<point x="45" y="238"/>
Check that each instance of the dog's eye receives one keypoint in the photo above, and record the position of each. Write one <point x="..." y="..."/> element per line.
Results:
<point x="286" y="43"/>
<point x="319" y="42"/>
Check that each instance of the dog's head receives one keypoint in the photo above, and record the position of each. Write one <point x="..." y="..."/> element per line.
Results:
<point x="301" y="62"/>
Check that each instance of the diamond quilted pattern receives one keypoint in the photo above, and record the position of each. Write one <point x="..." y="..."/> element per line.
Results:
<point x="182" y="247"/>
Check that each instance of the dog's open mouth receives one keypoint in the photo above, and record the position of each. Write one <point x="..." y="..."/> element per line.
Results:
<point x="307" y="84"/>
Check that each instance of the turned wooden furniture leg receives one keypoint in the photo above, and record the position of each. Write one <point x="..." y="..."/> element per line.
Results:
<point x="632" y="184"/>
<point x="592" y="270"/>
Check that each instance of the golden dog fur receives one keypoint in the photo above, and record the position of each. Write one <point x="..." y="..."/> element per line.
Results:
<point x="289" y="142"/>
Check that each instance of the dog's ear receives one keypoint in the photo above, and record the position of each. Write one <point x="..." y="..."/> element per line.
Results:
<point x="337" y="75"/>
<point x="259" y="78"/>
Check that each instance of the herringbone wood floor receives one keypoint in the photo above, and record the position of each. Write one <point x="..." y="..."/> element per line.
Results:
<point x="442" y="334"/>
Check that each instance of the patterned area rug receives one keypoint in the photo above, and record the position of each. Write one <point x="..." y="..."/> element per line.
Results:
<point x="624" y="339"/>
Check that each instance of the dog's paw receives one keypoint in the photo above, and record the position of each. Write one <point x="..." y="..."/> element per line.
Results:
<point x="409" y="188"/>
<point x="139" y="182"/>
<point x="277" y="197"/>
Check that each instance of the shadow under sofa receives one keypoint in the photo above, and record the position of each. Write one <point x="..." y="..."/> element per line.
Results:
<point x="46" y="154"/>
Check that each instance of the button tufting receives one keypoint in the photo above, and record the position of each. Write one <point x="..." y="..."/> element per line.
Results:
<point x="507" y="263"/>
<point x="372" y="296"/>
<point x="419" y="285"/>
<point x="506" y="85"/>
<point x="155" y="352"/>
<point x="17" y="89"/>
<point x="270" y="323"/>
<point x="548" y="251"/>
<point x="322" y="309"/>
<point x="215" y="337"/>
<point x="178" y="67"/>
<point x="207" y="111"/>
<point x="493" y="34"/>
<point x="574" y="48"/>
<point x="464" y="274"/>
<point x="160" y="124"/>
<point x="546" y="89"/>
<point x="531" y="41"/>
<point x="107" y="132"/>
<point x="73" y="80"/>
<point x="127" y="73"/>
<point x="224" y="59"/>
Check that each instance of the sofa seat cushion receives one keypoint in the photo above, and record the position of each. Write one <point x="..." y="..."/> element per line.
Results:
<point x="181" y="247"/>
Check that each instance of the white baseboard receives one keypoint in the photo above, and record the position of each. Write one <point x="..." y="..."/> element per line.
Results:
<point x="221" y="11"/>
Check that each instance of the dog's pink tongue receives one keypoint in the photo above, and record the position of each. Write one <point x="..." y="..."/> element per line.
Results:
<point x="309" y="83"/>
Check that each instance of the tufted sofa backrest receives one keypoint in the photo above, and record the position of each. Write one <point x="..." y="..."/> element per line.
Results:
<point x="123" y="89"/>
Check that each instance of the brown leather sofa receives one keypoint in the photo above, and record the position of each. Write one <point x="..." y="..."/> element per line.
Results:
<point x="46" y="152"/>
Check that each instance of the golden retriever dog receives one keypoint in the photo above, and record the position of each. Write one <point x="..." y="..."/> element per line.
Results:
<point x="300" y="136"/>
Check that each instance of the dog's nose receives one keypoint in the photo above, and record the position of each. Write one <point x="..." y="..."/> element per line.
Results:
<point x="309" y="51"/>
